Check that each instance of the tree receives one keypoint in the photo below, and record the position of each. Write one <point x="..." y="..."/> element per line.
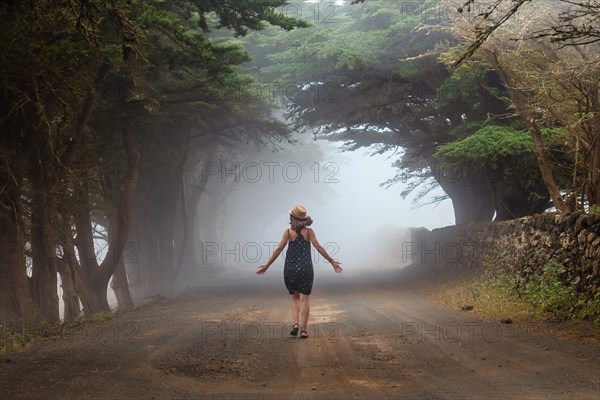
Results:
<point x="200" y="94"/>
<point x="506" y="155"/>
<point x="378" y="78"/>
<point x="554" y="86"/>
<point x="54" y="60"/>
<point x="575" y="25"/>
<point x="87" y="86"/>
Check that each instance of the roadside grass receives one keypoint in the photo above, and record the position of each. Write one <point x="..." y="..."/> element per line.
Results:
<point x="475" y="289"/>
<point x="15" y="341"/>
<point x="542" y="299"/>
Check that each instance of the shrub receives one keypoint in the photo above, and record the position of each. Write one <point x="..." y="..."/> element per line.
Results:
<point x="550" y="293"/>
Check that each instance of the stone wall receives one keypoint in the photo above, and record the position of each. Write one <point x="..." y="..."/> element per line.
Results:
<point x="522" y="246"/>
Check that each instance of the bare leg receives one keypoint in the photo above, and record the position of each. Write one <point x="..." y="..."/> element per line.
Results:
<point x="304" y="309"/>
<point x="296" y="306"/>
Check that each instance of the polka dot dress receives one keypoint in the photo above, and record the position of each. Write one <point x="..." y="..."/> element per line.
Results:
<point x="298" y="271"/>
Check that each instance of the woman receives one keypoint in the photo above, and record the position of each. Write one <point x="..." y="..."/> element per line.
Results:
<point x="298" y="270"/>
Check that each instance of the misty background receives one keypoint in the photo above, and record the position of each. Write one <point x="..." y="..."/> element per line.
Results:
<point x="358" y="222"/>
<point x="249" y="192"/>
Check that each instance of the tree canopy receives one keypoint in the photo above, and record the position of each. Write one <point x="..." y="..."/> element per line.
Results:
<point x="380" y="78"/>
<point x="101" y="101"/>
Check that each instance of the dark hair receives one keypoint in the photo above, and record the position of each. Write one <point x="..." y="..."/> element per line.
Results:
<point x="301" y="222"/>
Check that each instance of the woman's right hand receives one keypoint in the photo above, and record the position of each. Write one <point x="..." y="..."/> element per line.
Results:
<point x="336" y="266"/>
<point x="262" y="269"/>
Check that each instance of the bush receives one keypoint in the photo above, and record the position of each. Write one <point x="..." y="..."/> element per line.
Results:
<point x="550" y="293"/>
<point x="14" y="341"/>
<point x="594" y="210"/>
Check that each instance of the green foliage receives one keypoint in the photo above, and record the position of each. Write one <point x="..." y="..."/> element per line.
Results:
<point x="507" y="155"/>
<point x="464" y="82"/>
<point x="550" y="293"/>
<point x="488" y="144"/>
<point x="89" y="87"/>
<point x="341" y="39"/>
<point x="243" y="16"/>
<point x="14" y="341"/>
<point x="391" y="85"/>
<point x="491" y="142"/>
<point x="594" y="210"/>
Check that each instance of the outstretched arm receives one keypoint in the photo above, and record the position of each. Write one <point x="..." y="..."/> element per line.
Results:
<point x="263" y="268"/>
<point x="334" y="263"/>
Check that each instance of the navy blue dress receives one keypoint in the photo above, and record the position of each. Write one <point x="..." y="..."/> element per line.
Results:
<point x="298" y="271"/>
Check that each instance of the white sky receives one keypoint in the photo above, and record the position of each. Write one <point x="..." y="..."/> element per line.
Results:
<point x="358" y="189"/>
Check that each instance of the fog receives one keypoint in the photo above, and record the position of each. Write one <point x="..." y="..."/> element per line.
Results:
<point x="360" y="223"/>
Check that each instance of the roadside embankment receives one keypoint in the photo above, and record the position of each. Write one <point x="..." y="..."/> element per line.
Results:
<point x="544" y="267"/>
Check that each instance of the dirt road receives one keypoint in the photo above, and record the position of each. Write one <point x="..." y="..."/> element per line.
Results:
<point x="374" y="342"/>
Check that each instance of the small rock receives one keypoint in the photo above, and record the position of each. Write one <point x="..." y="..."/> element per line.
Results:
<point x="506" y="321"/>
<point x="314" y="388"/>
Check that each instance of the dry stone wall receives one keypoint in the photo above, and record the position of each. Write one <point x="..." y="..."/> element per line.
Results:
<point x="522" y="246"/>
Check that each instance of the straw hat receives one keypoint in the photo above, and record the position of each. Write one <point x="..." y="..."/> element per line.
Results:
<point x="298" y="212"/>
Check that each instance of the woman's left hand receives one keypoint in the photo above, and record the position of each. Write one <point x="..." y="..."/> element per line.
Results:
<point x="336" y="266"/>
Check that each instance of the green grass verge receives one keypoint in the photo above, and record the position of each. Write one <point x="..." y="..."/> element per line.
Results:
<point x="14" y="341"/>
<point x="496" y="293"/>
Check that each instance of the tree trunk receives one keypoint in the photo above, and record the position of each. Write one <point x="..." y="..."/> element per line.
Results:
<point x="534" y="130"/>
<point x="594" y="174"/>
<point x="44" y="273"/>
<point x="69" y="296"/>
<point x="16" y="305"/>
<point x="136" y="264"/>
<point x="522" y="194"/>
<point x="88" y="273"/>
<point x="43" y="270"/>
<point x="469" y="209"/>
<point x="92" y="297"/>
<point x="94" y="278"/>
<point x="92" y="292"/>
<point x="120" y="286"/>
<point x="519" y="205"/>
<point x="165" y="239"/>
<point x="156" y="208"/>
<point x="472" y="198"/>
<point x="67" y="265"/>
<point x="540" y="151"/>
<point x="188" y="264"/>
<point x="185" y="231"/>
